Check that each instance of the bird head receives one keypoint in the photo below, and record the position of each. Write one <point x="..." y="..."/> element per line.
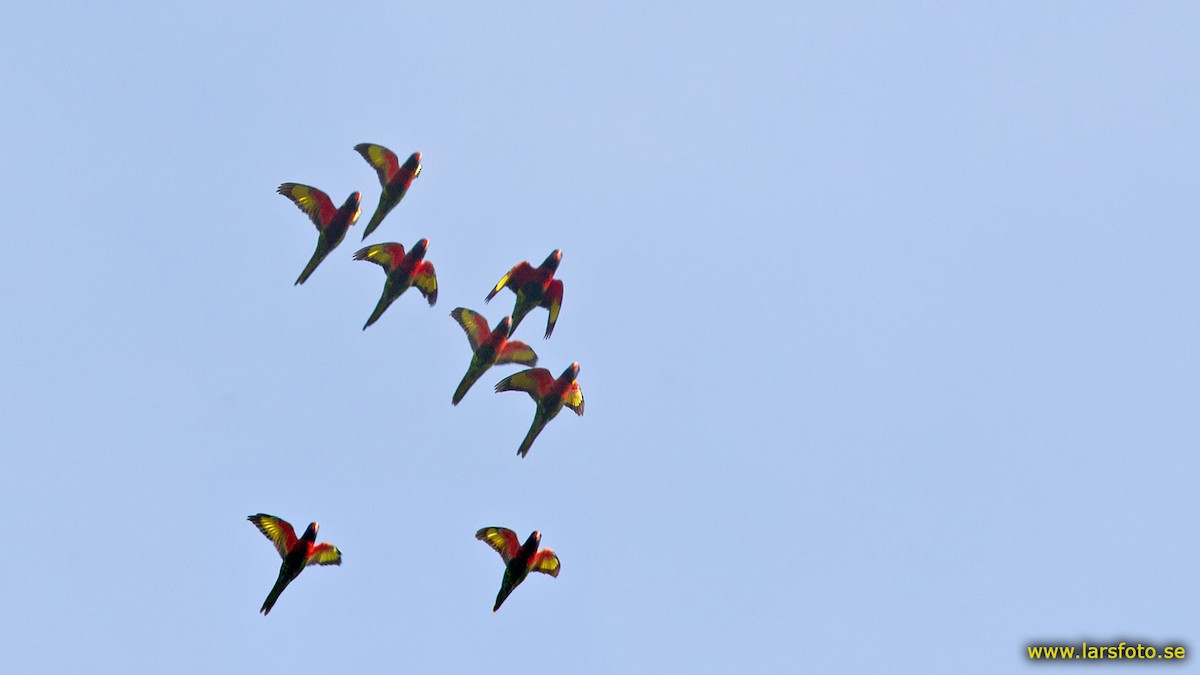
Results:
<point x="351" y="208"/>
<point x="534" y="540"/>
<point x="571" y="372"/>
<point x="505" y="327"/>
<point x="552" y="260"/>
<point x="310" y="534"/>
<point x="418" y="249"/>
<point x="413" y="162"/>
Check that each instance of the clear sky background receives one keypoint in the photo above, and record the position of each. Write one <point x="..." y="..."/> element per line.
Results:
<point x="887" y="317"/>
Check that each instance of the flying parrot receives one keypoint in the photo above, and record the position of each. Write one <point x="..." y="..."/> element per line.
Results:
<point x="331" y="222"/>
<point x="535" y="287"/>
<point x="297" y="553"/>
<point x="519" y="560"/>
<point x="550" y="394"/>
<point x="490" y="348"/>
<point x="402" y="271"/>
<point x="393" y="176"/>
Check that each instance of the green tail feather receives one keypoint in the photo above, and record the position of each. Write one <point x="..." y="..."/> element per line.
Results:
<point x="381" y="210"/>
<point x="519" y="313"/>
<point x="375" y="221"/>
<point x="316" y="259"/>
<point x="534" y="430"/>
<point x="505" y="590"/>
<point x="380" y="308"/>
<point x="273" y="596"/>
<point x="469" y="379"/>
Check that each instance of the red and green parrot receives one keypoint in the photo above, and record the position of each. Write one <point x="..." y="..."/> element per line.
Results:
<point x="331" y="222"/>
<point x="297" y="553"/>
<point x="519" y="560"/>
<point x="491" y="348"/>
<point x="402" y="272"/>
<point x="550" y="394"/>
<point x="393" y="176"/>
<point x="535" y="287"/>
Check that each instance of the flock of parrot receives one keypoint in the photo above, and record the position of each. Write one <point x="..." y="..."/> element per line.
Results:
<point x="534" y="287"/>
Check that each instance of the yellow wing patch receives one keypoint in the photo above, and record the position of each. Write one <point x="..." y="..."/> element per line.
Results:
<point x="500" y="284"/>
<point x="425" y="280"/>
<point x="278" y="530"/>
<point x="546" y="562"/>
<point x="386" y="255"/>
<point x="575" y="398"/>
<point x="553" y="302"/>
<point x="535" y="382"/>
<point x="313" y="202"/>
<point x="474" y="324"/>
<point x="384" y="161"/>
<point x="381" y="156"/>
<point x="325" y="553"/>
<point x="516" y="351"/>
<point x="502" y="539"/>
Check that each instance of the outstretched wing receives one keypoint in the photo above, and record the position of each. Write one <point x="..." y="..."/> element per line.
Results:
<point x="385" y="255"/>
<point x="502" y="539"/>
<point x="425" y="279"/>
<point x="311" y="201"/>
<point x="515" y="278"/>
<point x="278" y="530"/>
<point x="324" y="553"/>
<point x="516" y="351"/>
<point x="545" y="562"/>
<point x="574" y="398"/>
<point x="385" y="162"/>
<point x="535" y="382"/>
<point x="475" y="325"/>
<point x="553" y="302"/>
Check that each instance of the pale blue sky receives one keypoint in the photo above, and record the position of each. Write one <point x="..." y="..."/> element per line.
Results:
<point x="887" y="318"/>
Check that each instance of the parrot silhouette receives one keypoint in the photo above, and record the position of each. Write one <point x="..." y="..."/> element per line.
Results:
<point x="393" y="176"/>
<point x="297" y="553"/>
<point x="402" y="272"/>
<point x="490" y="347"/>
<point x="519" y="559"/>
<point x="535" y="287"/>
<point x="331" y="222"/>
<point x="549" y="394"/>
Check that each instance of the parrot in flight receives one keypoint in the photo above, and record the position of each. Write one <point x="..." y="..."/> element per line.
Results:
<point x="549" y="394"/>
<point x="519" y="560"/>
<point x="297" y="553"/>
<point x="331" y="222"/>
<point x="402" y="271"/>
<point x="393" y="176"/>
<point x="490" y="347"/>
<point x="535" y="287"/>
